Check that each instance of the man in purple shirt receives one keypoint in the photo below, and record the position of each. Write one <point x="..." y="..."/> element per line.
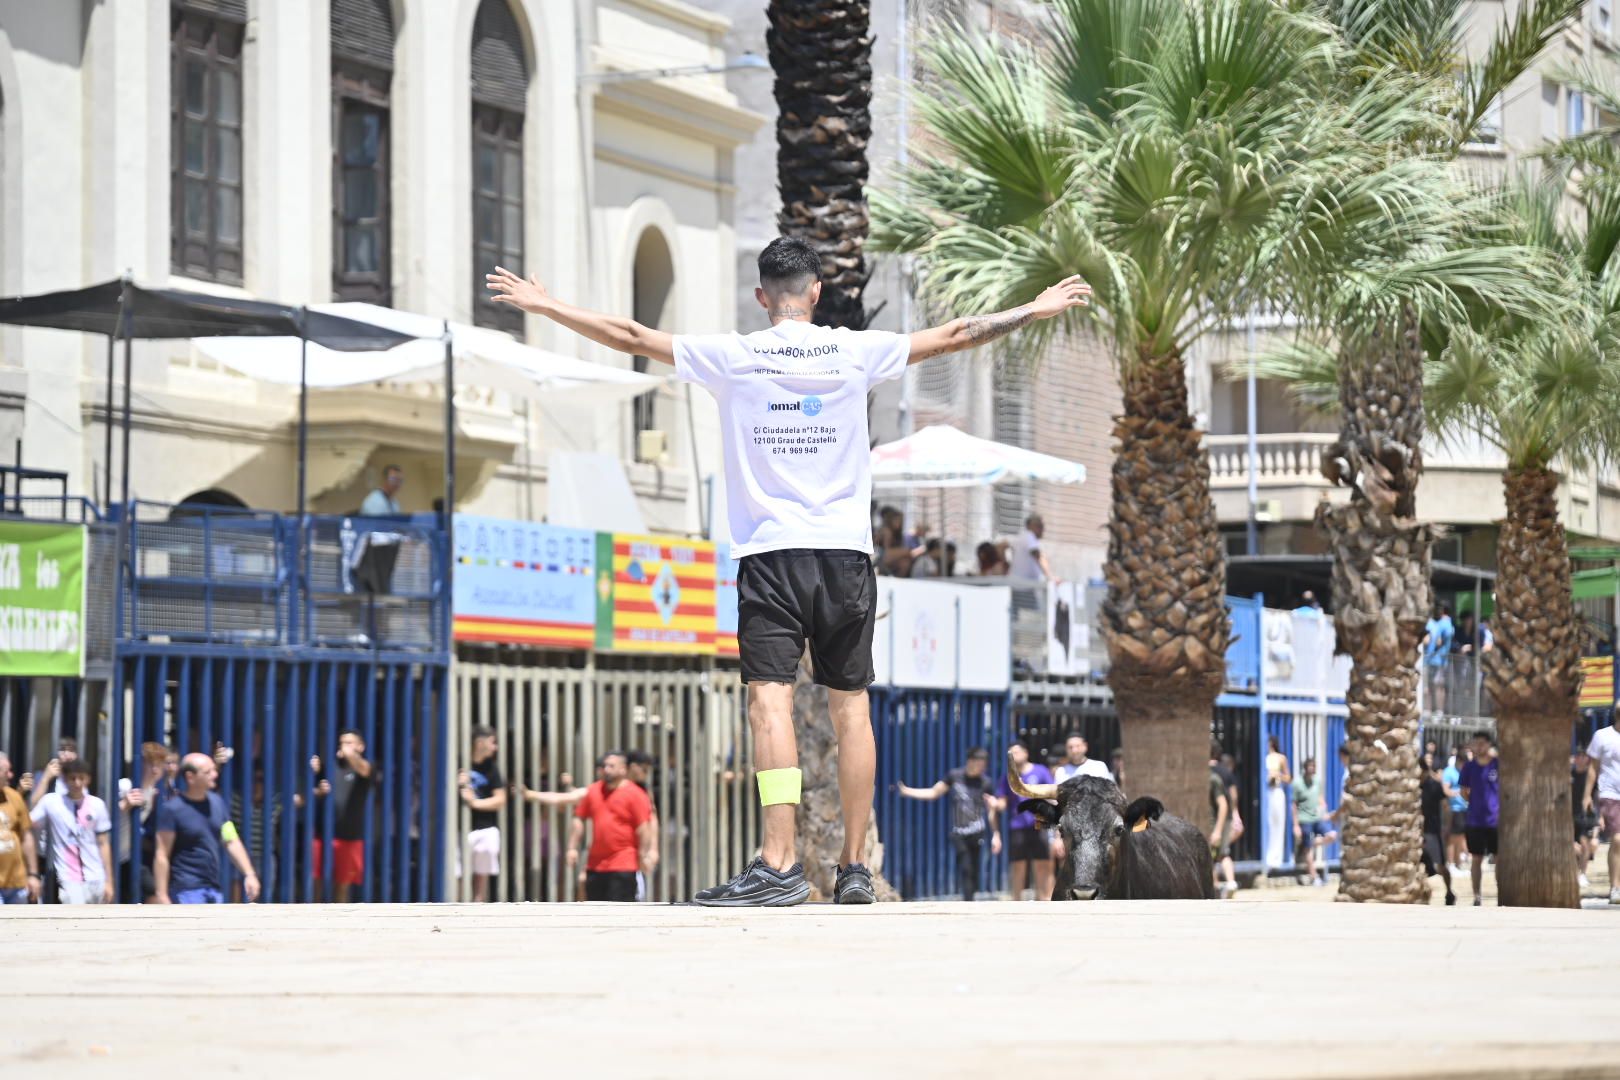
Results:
<point x="1027" y="845"/>
<point x="1479" y="784"/>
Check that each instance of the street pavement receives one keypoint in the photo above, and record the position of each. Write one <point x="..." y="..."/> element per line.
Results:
<point x="1114" y="989"/>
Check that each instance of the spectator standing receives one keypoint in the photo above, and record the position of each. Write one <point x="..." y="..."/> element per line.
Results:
<point x="383" y="500"/>
<point x="50" y="777"/>
<point x="1028" y="560"/>
<point x="1432" y="796"/>
<point x="1221" y="801"/>
<point x="1481" y="786"/>
<point x="76" y="827"/>
<point x="1437" y="640"/>
<point x="1278" y="782"/>
<point x="973" y="814"/>
<point x="19" y="862"/>
<point x="639" y="764"/>
<point x="137" y="807"/>
<point x="1311" y="828"/>
<point x="483" y="790"/>
<point x="1604" y="780"/>
<point x="621" y="834"/>
<point x="194" y="833"/>
<point x="992" y="560"/>
<point x="1456" y="808"/>
<point x="930" y="563"/>
<point x="1026" y="840"/>
<point x="1308" y="604"/>
<point x="1077" y="761"/>
<point x="1586" y="819"/>
<point x="349" y="786"/>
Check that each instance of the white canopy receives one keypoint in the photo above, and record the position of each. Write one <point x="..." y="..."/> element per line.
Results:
<point x="483" y="357"/>
<point x="940" y="457"/>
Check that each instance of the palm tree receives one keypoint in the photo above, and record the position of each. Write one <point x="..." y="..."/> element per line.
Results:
<point x="1188" y="159"/>
<point x="821" y="52"/>
<point x="1381" y="552"/>
<point x="1542" y="384"/>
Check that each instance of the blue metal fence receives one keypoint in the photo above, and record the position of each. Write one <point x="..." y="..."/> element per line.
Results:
<point x="274" y="712"/>
<point x="922" y="735"/>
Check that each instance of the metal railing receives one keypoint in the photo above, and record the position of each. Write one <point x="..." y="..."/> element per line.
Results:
<point x="1454" y="687"/>
<point x="228" y="576"/>
<point x="1283" y="459"/>
<point x="554" y="713"/>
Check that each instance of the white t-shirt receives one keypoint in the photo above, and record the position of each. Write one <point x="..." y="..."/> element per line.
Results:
<point x="793" y="427"/>
<point x="74" y="836"/>
<point x="1604" y="750"/>
<point x="1092" y="767"/>
<point x="1024" y="565"/>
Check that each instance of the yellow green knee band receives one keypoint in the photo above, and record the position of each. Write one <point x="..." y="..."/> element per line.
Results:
<point x="778" y="786"/>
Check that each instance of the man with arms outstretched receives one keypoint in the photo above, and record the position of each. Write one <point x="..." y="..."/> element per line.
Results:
<point x="799" y="502"/>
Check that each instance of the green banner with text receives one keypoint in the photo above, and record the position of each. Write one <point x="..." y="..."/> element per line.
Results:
<point x="41" y="599"/>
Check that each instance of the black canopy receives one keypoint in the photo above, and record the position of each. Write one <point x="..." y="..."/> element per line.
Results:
<point x="176" y="313"/>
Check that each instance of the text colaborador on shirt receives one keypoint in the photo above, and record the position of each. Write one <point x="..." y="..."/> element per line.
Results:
<point x="792" y="402"/>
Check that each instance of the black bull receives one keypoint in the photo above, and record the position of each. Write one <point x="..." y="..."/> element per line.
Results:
<point x="1120" y="852"/>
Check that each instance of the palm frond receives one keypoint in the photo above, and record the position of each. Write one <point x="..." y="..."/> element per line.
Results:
<point x="1516" y="45"/>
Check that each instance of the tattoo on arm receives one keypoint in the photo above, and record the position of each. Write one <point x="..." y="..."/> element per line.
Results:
<point x="979" y="329"/>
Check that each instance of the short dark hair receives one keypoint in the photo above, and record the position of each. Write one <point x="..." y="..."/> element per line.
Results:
<point x="483" y="731"/>
<point x="1484" y="735"/>
<point x="978" y="753"/>
<point x="639" y="757"/>
<point x="67" y="742"/>
<point x="1215" y="748"/>
<point x="76" y="767"/>
<point x="392" y="468"/>
<point x="617" y="754"/>
<point x="1077" y="735"/>
<point x="356" y="733"/>
<point x="1033" y="520"/>
<point x="788" y="261"/>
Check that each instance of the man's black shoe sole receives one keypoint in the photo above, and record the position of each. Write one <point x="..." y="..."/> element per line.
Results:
<point x="858" y="895"/>
<point x="780" y="898"/>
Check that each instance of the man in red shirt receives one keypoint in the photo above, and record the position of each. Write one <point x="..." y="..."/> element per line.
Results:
<point x="622" y="833"/>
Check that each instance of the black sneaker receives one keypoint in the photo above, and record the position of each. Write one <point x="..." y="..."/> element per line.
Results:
<point x="1451" y="899"/>
<point x="854" y="885"/>
<point x="759" y="886"/>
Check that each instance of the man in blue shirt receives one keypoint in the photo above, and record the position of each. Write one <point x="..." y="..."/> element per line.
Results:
<point x="1482" y="788"/>
<point x="1437" y="639"/>
<point x="193" y="831"/>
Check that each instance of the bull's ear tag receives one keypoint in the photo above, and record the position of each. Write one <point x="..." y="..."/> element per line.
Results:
<point x="1140" y="826"/>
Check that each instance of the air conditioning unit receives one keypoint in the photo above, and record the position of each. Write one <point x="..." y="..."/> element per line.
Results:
<point x="1268" y="510"/>
<point x="652" y="447"/>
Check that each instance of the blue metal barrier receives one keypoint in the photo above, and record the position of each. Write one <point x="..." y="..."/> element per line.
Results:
<point x="1243" y="654"/>
<point x="276" y="711"/>
<point x="922" y="735"/>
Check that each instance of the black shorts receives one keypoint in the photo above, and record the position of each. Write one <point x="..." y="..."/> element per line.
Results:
<point x="1434" y="854"/>
<point x="1584" y="826"/>
<point x="1482" y="839"/>
<point x="1027" y="845"/>
<point x="615" y="886"/>
<point x="826" y="599"/>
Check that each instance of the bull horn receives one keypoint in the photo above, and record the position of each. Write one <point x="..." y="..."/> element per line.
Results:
<point x="1027" y="791"/>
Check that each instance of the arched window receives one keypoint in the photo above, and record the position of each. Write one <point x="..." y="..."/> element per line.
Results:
<point x="652" y="288"/>
<point x="362" y="71"/>
<point x="205" y="104"/>
<point x="500" y="82"/>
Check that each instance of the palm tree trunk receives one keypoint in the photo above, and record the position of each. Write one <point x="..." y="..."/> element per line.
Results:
<point x="1165" y="613"/>
<point x="1534" y="676"/>
<point x="819" y="827"/>
<point x="1381" y="600"/>
<point x="821" y="51"/>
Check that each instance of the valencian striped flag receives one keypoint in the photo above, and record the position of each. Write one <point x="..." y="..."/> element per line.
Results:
<point x="655" y="594"/>
<point x="1597" y="692"/>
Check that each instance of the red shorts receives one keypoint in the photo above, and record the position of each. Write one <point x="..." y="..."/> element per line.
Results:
<point x="348" y="861"/>
<point x="1609" y="811"/>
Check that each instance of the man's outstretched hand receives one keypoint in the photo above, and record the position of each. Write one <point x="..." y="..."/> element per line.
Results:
<point x="1069" y="293"/>
<point x="508" y="288"/>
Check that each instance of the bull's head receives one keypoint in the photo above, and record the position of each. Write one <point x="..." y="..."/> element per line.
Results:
<point x="1092" y="817"/>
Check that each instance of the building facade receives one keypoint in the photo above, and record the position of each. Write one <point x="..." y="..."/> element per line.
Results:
<point x="387" y="151"/>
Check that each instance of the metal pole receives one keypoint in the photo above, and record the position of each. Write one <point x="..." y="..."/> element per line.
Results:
<point x="449" y="476"/>
<point x="1252" y="533"/>
<point x="129" y="364"/>
<point x="303" y="407"/>
<point x="1479" y="638"/>
<point x="107" y="415"/>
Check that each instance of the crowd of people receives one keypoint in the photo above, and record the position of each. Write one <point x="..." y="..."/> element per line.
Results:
<point x="902" y="552"/>
<point x="56" y="836"/>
